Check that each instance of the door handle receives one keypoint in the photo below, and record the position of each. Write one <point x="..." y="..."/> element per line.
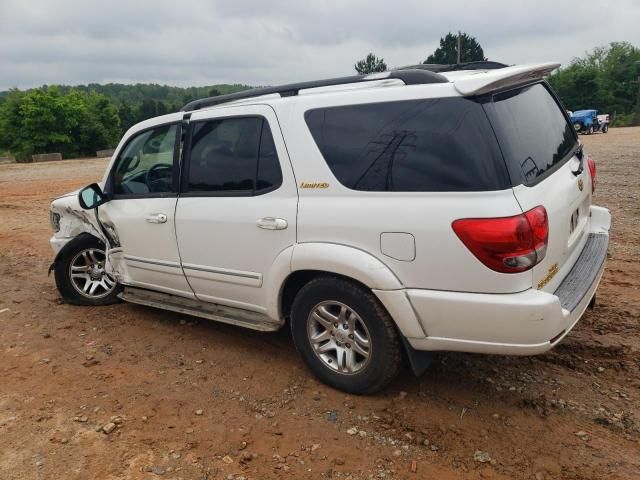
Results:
<point x="157" y="218"/>
<point x="270" y="223"/>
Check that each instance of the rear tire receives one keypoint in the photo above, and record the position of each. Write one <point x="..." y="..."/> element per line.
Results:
<point x="345" y="336"/>
<point x="605" y="128"/>
<point x="80" y="276"/>
<point x="590" y="130"/>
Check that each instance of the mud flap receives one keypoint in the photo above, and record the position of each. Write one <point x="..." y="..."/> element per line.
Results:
<point x="52" y="267"/>
<point x="419" y="360"/>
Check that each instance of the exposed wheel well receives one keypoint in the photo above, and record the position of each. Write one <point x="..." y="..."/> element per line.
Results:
<point x="63" y="249"/>
<point x="299" y="279"/>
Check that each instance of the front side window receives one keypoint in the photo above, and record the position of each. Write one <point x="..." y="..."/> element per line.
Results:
<point x="146" y="164"/>
<point x="233" y="156"/>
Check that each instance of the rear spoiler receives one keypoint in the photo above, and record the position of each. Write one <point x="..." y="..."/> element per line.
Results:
<point x="498" y="79"/>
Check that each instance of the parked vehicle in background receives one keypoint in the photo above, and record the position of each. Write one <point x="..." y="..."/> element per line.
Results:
<point x="379" y="217"/>
<point x="604" y="121"/>
<point x="588" y="121"/>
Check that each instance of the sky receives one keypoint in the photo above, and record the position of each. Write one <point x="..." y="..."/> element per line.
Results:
<point x="259" y="42"/>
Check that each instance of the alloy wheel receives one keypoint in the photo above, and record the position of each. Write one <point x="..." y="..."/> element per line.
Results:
<point x="88" y="275"/>
<point x="339" y="337"/>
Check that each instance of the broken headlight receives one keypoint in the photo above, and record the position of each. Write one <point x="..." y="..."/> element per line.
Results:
<point x="55" y="221"/>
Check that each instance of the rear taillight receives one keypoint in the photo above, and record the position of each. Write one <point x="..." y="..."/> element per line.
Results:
<point x="592" y="171"/>
<point x="506" y="244"/>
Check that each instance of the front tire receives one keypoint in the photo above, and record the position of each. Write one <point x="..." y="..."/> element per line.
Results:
<point x="80" y="275"/>
<point x="345" y="336"/>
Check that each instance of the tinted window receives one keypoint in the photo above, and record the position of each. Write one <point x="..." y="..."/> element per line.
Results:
<point x="230" y="154"/>
<point x="534" y="134"/>
<point x="269" y="174"/>
<point x="443" y="144"/>
<point x="145" y="165"/>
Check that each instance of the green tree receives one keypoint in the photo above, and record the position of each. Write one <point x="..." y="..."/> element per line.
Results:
<point x="147" y="109"/>
<point x="9" y="114"/>
<point x="45" y="120"/>
<point x="447" y="52"/>
<point x="214" y="92"/>
<point x="101" y="127"/>
<point x="577" y="86"/>
<point x="370" y="64"/>
<point x="127" y="116"/>
<point x="605" y="79"/>
<point x="186" y="98"/>
<point x="42" y="122"/>
<point x="161" y="108"/>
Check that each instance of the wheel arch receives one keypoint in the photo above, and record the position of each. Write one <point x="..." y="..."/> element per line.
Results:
<point x="395" y="302"/>
<point x="301" y="262"/>
<point x="298" y="279"/>
<point x="69" y="244"/>
<point x="310" y="260"/>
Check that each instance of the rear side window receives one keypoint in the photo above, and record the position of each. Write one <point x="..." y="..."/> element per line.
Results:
<point x="432" y="145"/>
<point x="269" y="173"/>
<point x="534" y="134"/>
<point x="233" y="156"/>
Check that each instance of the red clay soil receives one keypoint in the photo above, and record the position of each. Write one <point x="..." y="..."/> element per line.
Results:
<point x="192" y="399"/>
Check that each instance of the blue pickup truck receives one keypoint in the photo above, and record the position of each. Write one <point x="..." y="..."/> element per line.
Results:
<point x="588" y="121"/>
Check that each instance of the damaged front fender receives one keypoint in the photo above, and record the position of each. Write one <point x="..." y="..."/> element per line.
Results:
<point x="71" y="220"/>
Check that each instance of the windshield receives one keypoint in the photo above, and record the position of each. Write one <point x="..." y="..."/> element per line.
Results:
<point x="533" y="132"/>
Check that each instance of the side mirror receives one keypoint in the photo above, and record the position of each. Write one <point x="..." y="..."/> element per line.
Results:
<point x="91" y="197"/>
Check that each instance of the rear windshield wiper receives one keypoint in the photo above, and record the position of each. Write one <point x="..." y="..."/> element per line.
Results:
<point x="580" y="154"/>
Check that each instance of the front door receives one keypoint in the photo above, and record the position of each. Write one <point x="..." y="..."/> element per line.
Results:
<point x="237" y="207"/>
<point x="140" y="217"/>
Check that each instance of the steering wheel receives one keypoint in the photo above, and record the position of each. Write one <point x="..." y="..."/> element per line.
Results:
<point x="132" y="164"/>
<point x="158" y="180"/>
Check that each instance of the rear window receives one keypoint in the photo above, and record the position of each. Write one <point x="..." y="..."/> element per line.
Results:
<point x="534" y="134"/>
<point x="431" y="145"/>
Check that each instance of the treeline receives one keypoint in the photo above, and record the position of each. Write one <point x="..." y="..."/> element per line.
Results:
<point x="607" y="79"/>
<point x="80" y="120"/>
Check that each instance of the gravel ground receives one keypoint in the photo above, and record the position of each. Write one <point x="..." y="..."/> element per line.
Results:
<point x="184" y="398"/>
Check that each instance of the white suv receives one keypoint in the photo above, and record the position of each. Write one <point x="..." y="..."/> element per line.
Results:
<point x="383" y="217"/>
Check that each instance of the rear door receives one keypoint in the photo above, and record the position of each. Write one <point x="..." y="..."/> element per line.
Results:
<point x="542" y="154"/>
<point x="238" y="204"/>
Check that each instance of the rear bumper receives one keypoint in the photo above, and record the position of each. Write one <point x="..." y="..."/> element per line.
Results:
<point x="524" y="323"/>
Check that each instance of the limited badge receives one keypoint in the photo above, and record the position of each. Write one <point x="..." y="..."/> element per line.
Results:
<point x="580" y="184"/>
<point x="314" y="185"/>
<point x="553" y="269"/>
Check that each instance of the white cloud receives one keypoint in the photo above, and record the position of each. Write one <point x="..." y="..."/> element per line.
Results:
<point x="260" y="42"/>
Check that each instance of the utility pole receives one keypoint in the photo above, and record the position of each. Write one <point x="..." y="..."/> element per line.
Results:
<point x="459" y="45"/>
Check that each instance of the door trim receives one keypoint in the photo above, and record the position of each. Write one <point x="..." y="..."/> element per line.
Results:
<point x="161" y="263"/>
<point x="225" y="275"/>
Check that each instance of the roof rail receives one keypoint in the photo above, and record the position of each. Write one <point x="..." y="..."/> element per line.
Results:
<point x="408" y="75"/>
<point x="437" y="67"/>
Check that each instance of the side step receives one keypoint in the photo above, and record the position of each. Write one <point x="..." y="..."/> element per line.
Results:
<point x="210" y="311"/>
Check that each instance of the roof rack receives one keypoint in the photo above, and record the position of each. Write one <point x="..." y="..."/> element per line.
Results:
<point x="438" y="68"/>
<point x="408" y="75"/>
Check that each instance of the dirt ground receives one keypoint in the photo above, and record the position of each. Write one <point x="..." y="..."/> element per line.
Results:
<point x="192" y="399"/>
